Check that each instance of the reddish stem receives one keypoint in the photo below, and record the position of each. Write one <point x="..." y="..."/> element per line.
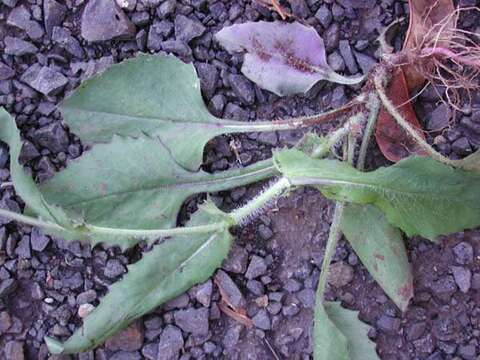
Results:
<point x="447" y="53"/>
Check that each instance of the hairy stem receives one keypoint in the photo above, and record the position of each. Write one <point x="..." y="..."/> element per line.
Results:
<point x="258" y="202"/>
<point x="333" y="238"/>
<point x="323" y="149"/>
<point x="374" y="106"/>
<point x="299" y="122"/>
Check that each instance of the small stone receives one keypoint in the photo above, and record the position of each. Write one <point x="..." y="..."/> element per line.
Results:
<point x="463" y="278"/>
<point x="10" y="3"/>
<point x="5" y="322"/>
<point x="114" y="268"/>
<point x="307" y="297"/>
<point x="53" y="137"/>
<point x="127" y="4"/>
<point x="388" y="324"/>
<point x="476" y="281"/>
<point x="364" y="61"/>
<point x="324" y="15"/>
<point x="179" y="302"/>
<point x="19" y="17"/>
<point x="187" y="29"/>
<point x="86" y="297"/>
<point x="415" y="331"/>
<point x="208" y="79"/>
<point x="463" y="253"/>
<point x="103" y="20"/>
<point x="243" y="88"/>
<point x="54" y="13"/>
<point x="177" y="47"/>
<point x="216" y="105"/>
<point x="203" y="293"/>
<point x="467" y="352"/>
<point x="444" y="286"/>
<point x="84" y="310"/>
<point x="130" y="339"/>
<point x="6" y="72"/>
<point x="461" y="146"/>
<point x="194" y="321"/>
<point x="340" y="274"/>
<point x="255" y="287"/>
<point x="230" y="289"/>
<point x="425" y="345"/>
<point x="126" y="355"/>
<point x="18" y="47"/>
<point x="170" y="344"/>
<point x="44" y="79"/>
<point x="166" y="8"/>
<point x="237" y="260"/>
<point x="23" y="248"/>
<point x="64" y="38"/>
<point x="261" y="320"/>
<point x="347" y="54"/>
<point x="150" y="351"/>
<point x="265" y="232"/>
<point x="292" y="285"/>
<point x="39" y="241"/>
<point x="13" y="350"/>
<point x="7" y="286"/>
<point x="336" y="62"/>
<point x="439" y="118"/>
<point x="331" y="37"/>
<point x="256" y="268"/>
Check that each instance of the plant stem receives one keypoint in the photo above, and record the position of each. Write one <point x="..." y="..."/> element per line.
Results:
<point x="258" y="202"/>
<point x="391" y="109"/>
<point x="323" y="149"/>
<point x="295" y="123"/>
<point x="333" y="238"/>
<point x="374" y="106"/>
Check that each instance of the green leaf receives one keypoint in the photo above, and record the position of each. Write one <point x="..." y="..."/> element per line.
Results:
<point x="25" y="187"/>
<point x="418" y="195"/>
<point x="380" y="247"/>
<point x="138" y="177"/>
<point x="340" y="335"/>
<point x="167" y="271"/>
<point x="157" y="95"/>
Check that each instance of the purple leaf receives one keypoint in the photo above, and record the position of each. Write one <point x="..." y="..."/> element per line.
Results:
<point x="281" y="57"/>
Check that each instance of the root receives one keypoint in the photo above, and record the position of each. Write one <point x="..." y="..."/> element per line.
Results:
<point x="450" y="58"/>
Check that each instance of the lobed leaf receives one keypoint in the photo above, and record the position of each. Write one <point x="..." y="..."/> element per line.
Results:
<point x="340" y="335"/>
<point x="137" y="184"/>
<point x="150" y="94"/>
<point x="24" y="184"/>
<point x="418" y="195"/>
<point x="380" y="248"/>
<point x="165" y="272"/>
<point x="284" y="58"/>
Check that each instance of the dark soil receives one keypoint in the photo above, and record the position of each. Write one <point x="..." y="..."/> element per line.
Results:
<point x="274" y="267"/>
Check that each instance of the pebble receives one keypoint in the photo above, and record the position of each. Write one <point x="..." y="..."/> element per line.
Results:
<point x="86" y="297"/>
<point x="461" y="146"/>
<point x="126" y="355"/>
<point x="444" y="286"/>
<point x="307" y="298"/>
<point x="415" y="331"/>
<point x="463" y="278"/>
<point x="5" y="322"/>
<point x="237" y="260"/>
<point x="7" y="286"/>
<point x="53" y="13"/>
<point x="463" y="253"/>
<point x="324" y="15"/>
<point x="64" y="38"/>
<point x="84" y="310"/>
<point x="103" y="20"/>
<point x="6" y="72"/>
<point x="216" y="105"/>
<point x="261" y="320"/>
<point x="114" y="268"/>
<point x="170" y="344"/>
<point x="230" y="289"/>
<point x="439" y="118"/>
<point x="203" y="293"/>
<point x="242" y="88"/>
<point x="208" y="79"/>
<point x="177" y="47"/>
<point x="130" y="339"/>
<point x="23" y="248"/>
<point x="192" y="320"/>
<point x="467" y="352"/>
<point x="44" y="79"/>
<point x="256" y="268"/>
<point x="18" y="47"/>
<point x="38" y="240"/>
<point x="425" y="345"/>
<point x="187" y="29"/>
<point x="388" y="324"/>
<point x="53" y="137"/>
<point x="340" y="274"/>
<point x="347" y="54"/>
<point x="13" y="350"/>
